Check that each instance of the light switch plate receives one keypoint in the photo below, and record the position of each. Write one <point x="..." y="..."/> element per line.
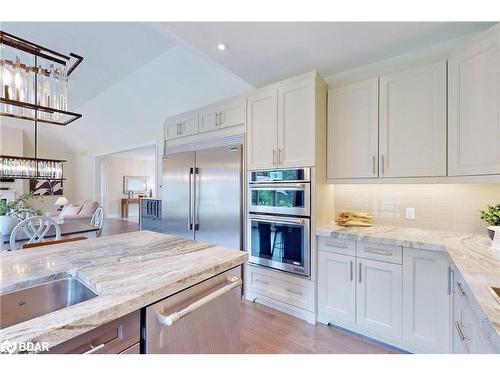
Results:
<point x="410" y="213"/>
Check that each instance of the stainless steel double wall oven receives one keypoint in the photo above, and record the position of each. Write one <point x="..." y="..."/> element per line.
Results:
<point x="279" y="219"/>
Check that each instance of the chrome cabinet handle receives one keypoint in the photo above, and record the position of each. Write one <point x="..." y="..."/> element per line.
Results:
<point x="383" y="163"/>
<point x="376" y="251"/>
<point x="279" y="156"/>
<point x="94" y="349"/>
<point x="261" y="281"/>
<point x="293" y="291"/>
<point x="337" y="245"/>
<point x="169" y="320"/>
<point x="352" y="270"/>
<point x="458" y="326"/>
<point x="359" y="269"/>
<point x="274" y="156"/>
<point x="216" y="119"/>
<point x="450" y="282"/>
<point x="460" y="289"/>
<point x="373" y="164"/>
<point x="220" y="118"/>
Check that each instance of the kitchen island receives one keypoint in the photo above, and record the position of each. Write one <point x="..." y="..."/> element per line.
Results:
<point x="128" y="272"/>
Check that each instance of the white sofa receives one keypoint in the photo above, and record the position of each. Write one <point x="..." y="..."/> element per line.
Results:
<point x="82" y="211"/>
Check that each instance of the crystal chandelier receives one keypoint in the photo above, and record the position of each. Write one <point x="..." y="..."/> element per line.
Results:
<point x="34" y="86"/>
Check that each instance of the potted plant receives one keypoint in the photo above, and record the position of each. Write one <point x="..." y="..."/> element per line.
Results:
<point x="13" y="212"/>
<point x="492" y="217"/>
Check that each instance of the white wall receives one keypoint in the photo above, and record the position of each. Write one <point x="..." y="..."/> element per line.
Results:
<point x="119" y="167"/>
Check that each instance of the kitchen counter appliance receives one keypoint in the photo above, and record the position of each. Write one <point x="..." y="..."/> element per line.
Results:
<point x="279" y="219"/>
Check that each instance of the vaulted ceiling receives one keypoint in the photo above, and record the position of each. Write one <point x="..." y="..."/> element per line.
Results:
<point x="137" y="74"/>
<point x="265" y="52"/>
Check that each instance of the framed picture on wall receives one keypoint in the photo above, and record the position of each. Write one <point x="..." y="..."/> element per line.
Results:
<point x="46" y="187"/>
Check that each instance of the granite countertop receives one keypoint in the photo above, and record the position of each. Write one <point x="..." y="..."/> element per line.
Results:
<point x="478" y="264"/>
<point x="129" y="271"/>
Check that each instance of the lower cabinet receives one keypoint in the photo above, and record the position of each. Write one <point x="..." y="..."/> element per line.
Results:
<point x="467" y="335"/>
<point x="120" y="336"/>
<point x="426" y="300"/>
<point x="371" y="289"/>
<point x="337" y="292"/>
<point x="378" y="300"/>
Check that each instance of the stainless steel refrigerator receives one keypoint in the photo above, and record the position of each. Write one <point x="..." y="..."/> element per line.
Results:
<point x="202" y="195"/>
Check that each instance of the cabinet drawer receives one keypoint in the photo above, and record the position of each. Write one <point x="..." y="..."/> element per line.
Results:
<point x="134" y="349"/>
<point x="288" y="289"/>
<point x="385" y="253"/>
<point x="111" y="338"/>
<point x="337" y="245"/>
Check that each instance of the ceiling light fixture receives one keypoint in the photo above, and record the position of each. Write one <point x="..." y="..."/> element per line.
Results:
<point x="222" y="46"/>
<point x="33" y="86"/>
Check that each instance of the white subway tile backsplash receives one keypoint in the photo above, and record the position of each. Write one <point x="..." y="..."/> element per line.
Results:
<point x="453" y="207"/>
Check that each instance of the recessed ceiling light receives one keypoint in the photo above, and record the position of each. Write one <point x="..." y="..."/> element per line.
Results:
<point x="222" y="46"/>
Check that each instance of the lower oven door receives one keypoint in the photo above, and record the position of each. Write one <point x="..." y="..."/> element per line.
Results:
<point x="278" y="242"/>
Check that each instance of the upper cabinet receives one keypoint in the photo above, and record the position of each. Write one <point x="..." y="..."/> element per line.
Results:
<point x="283" y="123"/>
<point x="353" y="130"/>
<point x="473" y="107"/>
<point x="262" y="135"/>
<point x="181" y="126"/>
<point x="412" y="123"/>
<point x="224" y="114"/>
<point x="392" y="126"/>
<point x="215" y="116"/>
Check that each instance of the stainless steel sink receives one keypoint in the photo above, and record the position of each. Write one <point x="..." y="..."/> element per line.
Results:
<point x="24" y="304"/>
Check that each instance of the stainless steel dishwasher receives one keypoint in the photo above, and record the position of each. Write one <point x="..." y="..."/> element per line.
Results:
<point x="204" y="318"/>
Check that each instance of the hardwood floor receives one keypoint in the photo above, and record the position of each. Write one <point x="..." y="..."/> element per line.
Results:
<point x="116" y="226"/>
<point x="268" y="331"/>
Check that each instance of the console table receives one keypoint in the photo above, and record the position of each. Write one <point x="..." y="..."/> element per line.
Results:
<point x="125" y="203"/>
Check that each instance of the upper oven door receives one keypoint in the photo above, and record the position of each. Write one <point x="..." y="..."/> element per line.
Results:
<point x="288" y="199"/>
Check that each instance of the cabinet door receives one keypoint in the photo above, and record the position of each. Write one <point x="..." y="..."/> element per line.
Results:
<point x="336" y="288"/>
<point x="413" y="122"/>
<point x="474" y="108"/>
<point x="426" y="300"/>
<point x="296" y="124"/>
<point x="262" y="132"/>
<point x="208" y="119"/>
<point x="353" y="130"/>
<point x="172" y="130"/>
<point x="378" y="297"/>
<point x="232" y="112"/>
<point x="189" y="124"/>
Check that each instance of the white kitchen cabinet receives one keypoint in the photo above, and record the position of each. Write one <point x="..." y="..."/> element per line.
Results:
<point x="221" y="115"/>
<point x="353" y="130"/>
<point x="208" y="119"/>
<point x="474" y="107"/>
<point x="296" y="124"/>
<point x="283" y="123"/>
<point x="231" y="112"/>
<point x="336" y="288"/>
<point x="412" y="128"/>
<point x="184" y="125"/>
<point x="426" y="300"/>
<point x="262" y="117"/>
<point x="378" y="297"/>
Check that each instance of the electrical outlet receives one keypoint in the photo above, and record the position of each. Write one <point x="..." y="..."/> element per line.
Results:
<point x="410" y="213"/>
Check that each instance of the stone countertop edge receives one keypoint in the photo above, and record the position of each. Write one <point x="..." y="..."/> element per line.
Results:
<point x="471" y="254"/>
<point x="129" y="271"/>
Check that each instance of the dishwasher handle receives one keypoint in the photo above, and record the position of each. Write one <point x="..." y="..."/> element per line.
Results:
<point x="169" y="320"/>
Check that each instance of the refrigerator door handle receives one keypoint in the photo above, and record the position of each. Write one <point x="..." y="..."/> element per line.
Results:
<point x="190" y="199"/>
<point x="196" y="188"/>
